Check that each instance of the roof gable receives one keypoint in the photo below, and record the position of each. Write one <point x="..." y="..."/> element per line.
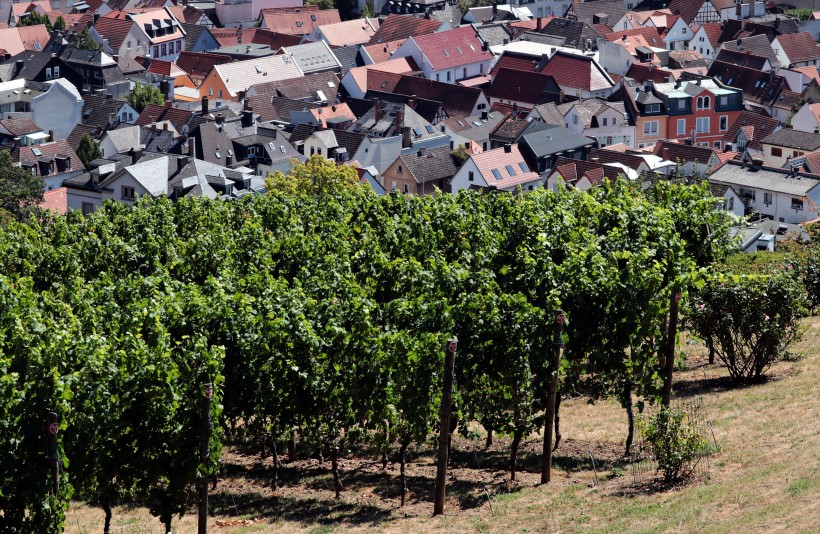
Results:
<point x="452" y="48"/>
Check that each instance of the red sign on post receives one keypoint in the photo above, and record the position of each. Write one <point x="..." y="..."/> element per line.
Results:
<point x="560" y="318"/>
<point x="678" y="296"/>
<point x="53" y="428"/>
<point x="209" y="391"/>
<point x="452" y="346"/>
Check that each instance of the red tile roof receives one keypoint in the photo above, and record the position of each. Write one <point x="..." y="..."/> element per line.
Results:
<point x="453" y="48"/>
<point x="236" y="36"/>
<point x="687" y="9"/>
<point x="155" y="113"/>
<point x="641" y="73"/>
<point x="755" y="126"/>
<point x="515" y="62"/>
<point x="571" y="70"/>
<point x="56" y="201"/>
<point x="400" y="27"/>
<point x="298" y="20"/>
<point x="199" y="64"/>
<point x="113" y="28"/>
<point x="34" y="37"/>
<point x="382" y="52"/>
<point x="650" y="34"/>
<point x="515" y="85"/>
<point x="602" y="29"/>
<point x="712" y="31"/>
<point x="798" y="46"/>
<point x="498" y="159"/>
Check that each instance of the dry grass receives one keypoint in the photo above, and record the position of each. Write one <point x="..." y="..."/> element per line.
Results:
<point x="766" y="478"/>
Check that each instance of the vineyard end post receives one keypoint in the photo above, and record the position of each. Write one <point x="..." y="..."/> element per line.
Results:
<point x="444" y="428"/>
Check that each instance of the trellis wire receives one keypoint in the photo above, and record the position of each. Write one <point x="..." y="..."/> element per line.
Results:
<point x="642" y="465"/>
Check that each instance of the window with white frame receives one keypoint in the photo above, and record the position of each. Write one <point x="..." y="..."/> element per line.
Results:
<point x="48" y="73"/>
<point x="681" y="104"/>
<point x="650" y="128"/>
<point x="767" y="198"/>
<point x="704" y="102"/>
<point x="702" y="125"/>
<point x="681" y="126"/>
<point x="56" y="72"/>
<point x="724" y="123"/>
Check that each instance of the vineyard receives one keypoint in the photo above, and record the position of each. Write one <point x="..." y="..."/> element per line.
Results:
<point x="321" y="321"/>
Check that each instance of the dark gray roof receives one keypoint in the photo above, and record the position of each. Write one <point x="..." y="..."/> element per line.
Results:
<point x="575" y="33"/>
<point x="350" y="141"/>
<point x="97" y="110"/>
<point x="494" y="34"/>
<point x="553" y="140"/>
<point x="587" y="11"/>
<point x="192" y="34"/>
<point x="550" y="114"/>
<point x="33" y="64"/>
<point x="430" y="165"/>
<point x="348" y="57"/>
<point x="541" y="38"/>
<point x="734" y="173"/>
<point x="304" y="88"/>
<point x="758" y="45"/>
<point x="791" y="138"/>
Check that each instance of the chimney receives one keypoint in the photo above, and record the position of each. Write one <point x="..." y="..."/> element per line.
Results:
<point x="18" y="67"/>
<point x="228" y="160"/>
<point x="247" y="117"/>
<point x="739" y="9"/>
<point x="538" y="24"/>
<point x="412" y="102"/>
<point x="220" y="118"/>
<point x="165" y="126"/>
<point x="561" y="97"/>
<point x="181" y="162"/>
<point x="507" y="148"/>
<point x="191" y="142"/>
<point x="422" y="152"/>
<point x="133" y="154"/>
<point x="51" y="135"/>
<point x="168" y="103"/>
<point x="153" y="127"/>
<point x="204" y="105"/>
<point x="666" y="154"/>
<point x="751" y="8"/>
<point x="399" y="119"/>
<point x="485" y="45"/>
<point x="776" y="23"/>
<point x="164" y="88"/>
<point x="687" y="141"/>
<point x="495" y="8"/>
<point x="405" y="137"/>
<point x="377" y="105"/>
<point x="485" y="115"/>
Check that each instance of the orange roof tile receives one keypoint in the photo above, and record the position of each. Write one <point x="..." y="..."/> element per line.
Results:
<point x="56" y="201"/>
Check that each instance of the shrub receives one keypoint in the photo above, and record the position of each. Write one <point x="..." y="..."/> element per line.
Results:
<point x="749" y="321"/>
<point x="811" y="277"/>
<point x="673" y="442"/>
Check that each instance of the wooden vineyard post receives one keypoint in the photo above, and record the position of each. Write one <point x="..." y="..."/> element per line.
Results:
<point x="53" y="454"/>
<point x="552" y="387"/>
<point x="669" y="363"/>
<point x="444" y="428"/>
<point x="204" y="455"/>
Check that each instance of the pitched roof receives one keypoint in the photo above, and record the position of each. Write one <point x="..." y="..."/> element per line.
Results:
<point x="764" y="178"/>
<point x="549" y="114"/>
<point x="399" y="27"/>
<point x="555" y="139"/>
<point x="192" y="34"/>
<point x="199" y="64"/>
<point x="305" y="88"/>
<point x="641" y="72"/>
<point x="19" y="126"/>
<point x="576" y="33"/>
<point x="520" y="86"/>
<point x="809" y="71"/>
<point x="576" y="71"/>
<point x="348" y="57"/>
<point x="156" y="113"/>
<point x="632" y="161"/>
<point x="516" y="61"/>
<point x="349" y="32"/>
<point x="631" y="39"/>
<point x="113" y="29"/>
<point x="588" y="11"/>
<point x="712" y="32"/>
<point x="458" y="101"/>
<point x="10" y="41"/>
<point x="507" y="165"/>
<point x="744" y="59"/>
<point x="97" y="110"/>
<point x="382" y="52"/>
<point x="757" y="86"/>
<point x="757" y="44"/>
<point x="298" y="20"/>
<point x="240" y="75"/>
<point x="672" y="151"/>
<point x="313" y="57"/>
<point x="430" y="165"/>
<point x="55" y="201"/>
<point x="350" y="141"/>
<point x="34" y="37"/>
<point x="237" y="36"/>
<point x="572" y="170"/>
<point x="47" y="152"/>
<point x="277" y="107"/>
<point x="755" y="127"/>
<point x="791" y="138"/>
<point x="78" y="132"/>
<point x="798" y="46"/>
<point x="686" y="9"/>
<point x="453" y="48"/>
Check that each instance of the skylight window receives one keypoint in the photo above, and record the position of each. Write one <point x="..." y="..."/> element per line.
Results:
<point x="523" y="166"/>
<point x="417" y="132"/>
<point x="510" y="170"/>
<point x="472" y="48"/>
<point x="282" y="148"/>
<point x="36" y="151"/>
<point x="429" y="128"/>
<point x="459" y="50"/>
<point x="477" y="123"/>
<point x="271" y="145"/>
<point x="446" y="53"/>
<point x="217" y="154"/>
<point x="496" y="174"/>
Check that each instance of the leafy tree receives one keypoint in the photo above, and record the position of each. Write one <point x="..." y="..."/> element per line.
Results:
<point x="460" y="155"/>
<point x="316" y="176"/>
<point x="323" y="4"/>
<point x="88" y="150"/>
<point x="34" y="19"/>
<point x="799" y="14"/>
<point x="20" y="191"/>
<point x="368" y="11"/>
<point x="749" y="321"/>
<point x="144" y="94"/>
<point x="59" y="24"/>
<point x="85" y="41"/>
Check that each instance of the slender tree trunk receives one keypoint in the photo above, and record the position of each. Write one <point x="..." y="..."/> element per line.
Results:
<point x="334" y="462"/>
<point x="711" y="344"/>
<point x="630" y="417"/>
<point x="274" y="483"/>
<point x="106" y="505"/>
<point x="671" y="338"/>
<point x="514" y="454"/>
<point x="402" y="475"/>
<point x="489" y="441"/>
<point x="557" y="419"/>
<point x="292" y="447"/>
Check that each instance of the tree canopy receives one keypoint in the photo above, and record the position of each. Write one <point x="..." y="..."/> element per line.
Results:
<point x="20" y="191"/>
<point x="144" y="94"/>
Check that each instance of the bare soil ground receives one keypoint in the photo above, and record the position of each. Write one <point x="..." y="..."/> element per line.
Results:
<point x="766" y="476"/>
